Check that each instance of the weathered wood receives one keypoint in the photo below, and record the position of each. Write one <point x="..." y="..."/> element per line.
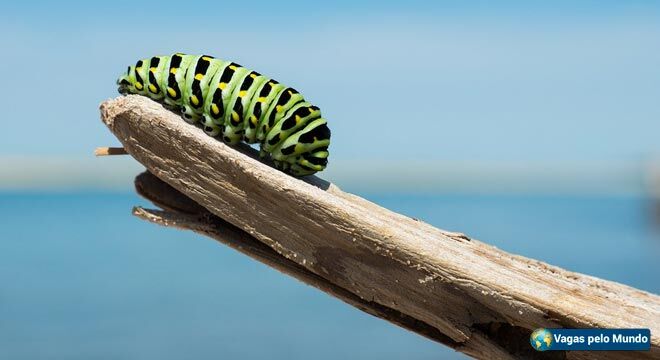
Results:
<point x="183" y="213"/>
<point x="482" y="300"/>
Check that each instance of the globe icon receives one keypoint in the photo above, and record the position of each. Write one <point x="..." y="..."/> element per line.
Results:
<point x="541" y="339"/>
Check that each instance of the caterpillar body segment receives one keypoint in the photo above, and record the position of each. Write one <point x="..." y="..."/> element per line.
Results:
<point x="236" y="104"/>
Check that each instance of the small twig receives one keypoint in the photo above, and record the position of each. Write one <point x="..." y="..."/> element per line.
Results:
<point x="105" y="151"/>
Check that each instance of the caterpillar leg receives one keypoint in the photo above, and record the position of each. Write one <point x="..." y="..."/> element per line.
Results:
<point x="211" y="128"/>
<point x="296" y="169"/>
<point x="189" y="115"/>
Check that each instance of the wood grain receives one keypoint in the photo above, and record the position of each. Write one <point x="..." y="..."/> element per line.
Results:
<point x="482" y="300"/>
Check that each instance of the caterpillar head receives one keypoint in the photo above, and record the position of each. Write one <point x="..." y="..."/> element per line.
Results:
<point x="124" y="83"/>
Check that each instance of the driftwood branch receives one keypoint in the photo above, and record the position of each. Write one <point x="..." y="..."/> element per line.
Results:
<point x="183" y="213"/>
<point x="452" y="289"/>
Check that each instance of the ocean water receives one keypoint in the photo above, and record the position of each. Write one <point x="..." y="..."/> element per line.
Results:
<point x="81" y="278"/>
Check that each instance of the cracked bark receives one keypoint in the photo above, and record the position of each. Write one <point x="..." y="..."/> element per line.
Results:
<point x="445" y="286"/>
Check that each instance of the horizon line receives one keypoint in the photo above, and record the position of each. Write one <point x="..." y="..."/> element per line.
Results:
<point x="20" y="173"/>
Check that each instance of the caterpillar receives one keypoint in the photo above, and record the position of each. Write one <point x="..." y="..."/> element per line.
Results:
<point x="235" y="104"/>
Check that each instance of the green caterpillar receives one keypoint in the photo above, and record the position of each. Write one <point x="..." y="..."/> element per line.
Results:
<point x="234" y="103"/>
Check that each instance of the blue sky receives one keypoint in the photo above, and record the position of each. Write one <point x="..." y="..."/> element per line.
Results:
<point x="524" y="82"/>
<point x="265" y="7"/>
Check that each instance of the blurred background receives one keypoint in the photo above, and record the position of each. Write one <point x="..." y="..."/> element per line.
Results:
<point x="529" y="125"/>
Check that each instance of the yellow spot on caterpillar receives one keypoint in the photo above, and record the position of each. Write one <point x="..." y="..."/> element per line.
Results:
<point x="173" y="70"/>
<point x="262" y="99"/>
<point x="152" y="88"/>
<point x="152" y="69"/>
<point x="290" y="92"/>
<point x="194" y="100"/>
<point x="138" y="86"/>
<point x="297" y="119"/>
<point x="253" y="120"/>
<point x="278" y="108"/>
<point x="199" y="77"/>
<point x="242" y="93"/>
<point x="253" y="75"/>
<point x="222" y="86"/>
<point x="234" y="116"/>
<point x="206" y="58"/>
<point x="215" y="109"/>
<point x="171" y="91"/>
<point x="232" y="67"/>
